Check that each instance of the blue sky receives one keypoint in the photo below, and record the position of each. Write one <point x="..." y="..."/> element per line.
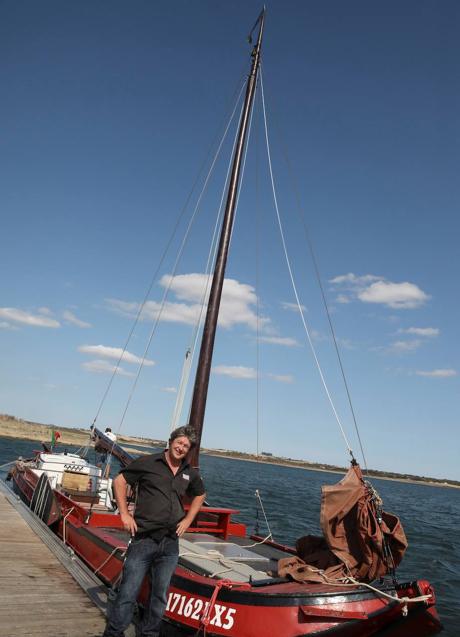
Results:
<point x="108" y="111"/>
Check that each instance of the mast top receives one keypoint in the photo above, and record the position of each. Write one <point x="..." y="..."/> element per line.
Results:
<point x="261" y="20"/>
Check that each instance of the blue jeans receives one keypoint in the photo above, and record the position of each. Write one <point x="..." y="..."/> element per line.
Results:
<point x="144" y="556"/>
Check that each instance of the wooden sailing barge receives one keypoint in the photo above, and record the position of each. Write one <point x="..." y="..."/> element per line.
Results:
<point x="226" y="583"/>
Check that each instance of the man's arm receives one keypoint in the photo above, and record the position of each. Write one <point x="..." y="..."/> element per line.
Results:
<point x="195" y="506"/>
<point x="119" y="488"/>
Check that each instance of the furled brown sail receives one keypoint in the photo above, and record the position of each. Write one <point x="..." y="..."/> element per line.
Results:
<point x="353" y="542"/>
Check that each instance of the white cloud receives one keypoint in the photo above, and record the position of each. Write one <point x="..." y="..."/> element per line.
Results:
<point x="104" y="367"/>
<point x="396" y="295"/>
<point x="279" y="340"/>
<point x="420" y="331"/>
<point x="237" y="371"/>
<point x="405" y="346"/>
<point x="27" y="318"/>
<point x="438" y="373"/>
<point x="74" y="320"/>
<point x="237" y="305"/>
<point x="292" y="306"/>
<point x="354" y="280"/>
<point x="169" y="390"/>
<point x="376" y="289"/>
<point x="172" y="312"/>
<point x="282" y="378"/>
<point x="248" y="373"/>
<point x="113" y="353"/>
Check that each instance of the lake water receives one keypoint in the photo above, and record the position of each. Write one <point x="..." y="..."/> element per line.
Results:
<point x="291" y="499"/>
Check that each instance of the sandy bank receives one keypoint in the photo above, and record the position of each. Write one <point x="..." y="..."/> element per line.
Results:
<point x="11" y="427"/>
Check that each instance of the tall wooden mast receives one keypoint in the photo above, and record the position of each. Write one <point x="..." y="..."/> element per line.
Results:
<point x="200" y="390"/>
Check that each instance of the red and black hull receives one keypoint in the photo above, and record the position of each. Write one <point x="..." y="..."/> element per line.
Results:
<point x="271" y="608"/>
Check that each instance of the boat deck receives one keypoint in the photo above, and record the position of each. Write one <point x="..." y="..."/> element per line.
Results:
<point x="239" y="559"/>
<point x="38" y="597"/>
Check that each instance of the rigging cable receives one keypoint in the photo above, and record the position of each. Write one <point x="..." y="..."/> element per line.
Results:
<point x="258" y="225"/>
<point x="323" y="296"/>
<point x="294" y="287"/>
<point x="174" y="270"/>
<point x="220" y="211"/>
<point x="166" y="250"/>
<point x="211" y="259"/>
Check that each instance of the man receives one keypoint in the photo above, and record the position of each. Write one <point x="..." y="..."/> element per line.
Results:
<point x="109" y="433"/>
<point x="159" y="520"/>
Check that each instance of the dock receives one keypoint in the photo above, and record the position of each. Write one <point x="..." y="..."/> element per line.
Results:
<point x="39" y="597"/>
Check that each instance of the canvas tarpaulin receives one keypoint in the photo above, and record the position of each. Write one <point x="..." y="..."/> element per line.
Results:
<point x="353" y="540"/>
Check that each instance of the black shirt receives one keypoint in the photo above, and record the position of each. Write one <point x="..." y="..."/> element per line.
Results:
<point x="159" y="506"/>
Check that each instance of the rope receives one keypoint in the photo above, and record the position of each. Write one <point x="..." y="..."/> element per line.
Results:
<point x="294" y="287"/>
<point x="269" y="536"/>
<point x="241" y="546"/>
<point x="206" y="617"/>
<point x="213" y="555"/>
<point x="108" y="558"/>
<point x="64" y="523"/>
<point x="378" y="505"/>
<point x="404" y="601"/>
<point x="349" y="581"/>
<point x="83" y="451"/>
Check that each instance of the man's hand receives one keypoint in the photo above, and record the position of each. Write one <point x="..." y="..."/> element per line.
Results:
<point x="129" y="523"/>
<point x="183" y="525"/>
<point x="195" y="506"/>
<point x="119" y="488"/>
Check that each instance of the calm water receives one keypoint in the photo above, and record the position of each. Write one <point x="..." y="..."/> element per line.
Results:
<point x="430" y="515"/>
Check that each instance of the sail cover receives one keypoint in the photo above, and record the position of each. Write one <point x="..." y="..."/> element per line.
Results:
<point x="353" y="542"/>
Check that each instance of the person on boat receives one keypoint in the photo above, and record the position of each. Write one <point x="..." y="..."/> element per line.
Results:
<point x="109" y="433"/>
<point x="158" y="522"/>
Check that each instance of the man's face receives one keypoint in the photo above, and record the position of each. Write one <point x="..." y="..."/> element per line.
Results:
<point x="179" y="448"/>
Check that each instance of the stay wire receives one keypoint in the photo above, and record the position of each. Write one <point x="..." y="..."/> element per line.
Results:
<point x="323" y="295"/>
<point x="168" y="245"/>
<point x="212" y="254"/>
<point x="243" y="167"/>
<point x="175" y="266"/>
<point x="294" y="287"/>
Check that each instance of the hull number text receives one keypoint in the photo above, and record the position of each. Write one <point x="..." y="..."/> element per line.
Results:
<point x="222" y="616"/>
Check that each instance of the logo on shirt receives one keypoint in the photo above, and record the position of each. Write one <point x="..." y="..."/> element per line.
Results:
<point x="186" y="476"/>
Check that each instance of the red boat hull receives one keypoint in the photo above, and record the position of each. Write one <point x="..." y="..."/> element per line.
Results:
<point x="282" y="608"/>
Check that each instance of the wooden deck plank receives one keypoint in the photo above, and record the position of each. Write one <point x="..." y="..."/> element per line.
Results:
<point x="38" y="597"/>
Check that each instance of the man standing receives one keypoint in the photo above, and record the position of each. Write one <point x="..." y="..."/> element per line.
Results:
<point x="159" y="520"/>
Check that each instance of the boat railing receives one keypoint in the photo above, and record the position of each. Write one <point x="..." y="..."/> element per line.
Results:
<point x="216" y="521"/>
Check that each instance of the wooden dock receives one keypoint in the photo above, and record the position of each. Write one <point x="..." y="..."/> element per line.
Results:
<point x="38" y="596"/>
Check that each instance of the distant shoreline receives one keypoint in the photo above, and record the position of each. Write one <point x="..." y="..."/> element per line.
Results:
<point x="280" y="462"/>
<point x="12" y="427"/>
